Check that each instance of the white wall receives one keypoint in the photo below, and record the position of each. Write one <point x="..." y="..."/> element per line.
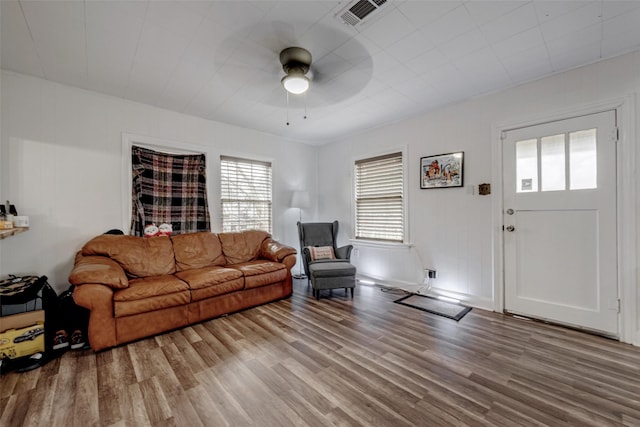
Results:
<point x="451" y="229"/>
<point x="62" y="166"/>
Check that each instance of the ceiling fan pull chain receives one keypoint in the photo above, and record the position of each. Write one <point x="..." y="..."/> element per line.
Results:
<point x="305" y="105"/>
<point x="287" y="107"/>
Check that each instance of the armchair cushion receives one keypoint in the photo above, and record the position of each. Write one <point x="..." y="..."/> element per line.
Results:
<point x="321" y="252"/>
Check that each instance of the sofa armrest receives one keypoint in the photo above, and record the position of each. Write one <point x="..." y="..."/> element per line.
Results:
<point x="98" y="270"/>
<point x="102" y="326"/>
<point x="344" y="252"/>
<point x="275" y="251"/>
<point x="94" y="297"/>
<point x="289" y="261"/>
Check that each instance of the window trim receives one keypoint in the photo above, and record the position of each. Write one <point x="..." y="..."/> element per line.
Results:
<point x="406" y="241"/>
<point x="249" y="159"/>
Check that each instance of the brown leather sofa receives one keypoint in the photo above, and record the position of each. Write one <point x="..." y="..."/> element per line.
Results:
<point x="137" y="287"/>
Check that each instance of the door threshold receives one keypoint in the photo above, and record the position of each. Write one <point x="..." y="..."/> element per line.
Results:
<point x="563" y="325"/>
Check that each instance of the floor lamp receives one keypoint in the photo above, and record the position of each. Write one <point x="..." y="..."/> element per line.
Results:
<point x="300" y="200"/>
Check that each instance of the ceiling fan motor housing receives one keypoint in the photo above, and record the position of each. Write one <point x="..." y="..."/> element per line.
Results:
<point x="294" y="59"/>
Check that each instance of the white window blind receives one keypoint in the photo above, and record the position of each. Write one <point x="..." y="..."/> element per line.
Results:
<point x="379" y="192"/>
<point x="245" y="192"/>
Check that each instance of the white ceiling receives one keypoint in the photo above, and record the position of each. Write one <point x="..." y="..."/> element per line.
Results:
<point x="219" y="59"/>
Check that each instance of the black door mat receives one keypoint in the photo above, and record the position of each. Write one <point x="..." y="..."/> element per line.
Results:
<point x="433" y="305"/>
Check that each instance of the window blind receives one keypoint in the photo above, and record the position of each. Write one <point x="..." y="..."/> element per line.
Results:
<point x="245" y="192"/>
<point x="379" y="193"/>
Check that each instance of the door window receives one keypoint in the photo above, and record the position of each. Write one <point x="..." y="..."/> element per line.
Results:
<point x="552" y="168"/>
<point x="527" y="165"/>
<point x="541" y="164"/>
<point x="583" y="165"/>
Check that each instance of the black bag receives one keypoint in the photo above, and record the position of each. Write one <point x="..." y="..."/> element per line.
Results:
<point x="20" y="290"/>
<point x="70" y="317"/>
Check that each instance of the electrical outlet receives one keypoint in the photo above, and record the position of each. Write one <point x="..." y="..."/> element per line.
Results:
<point x="356" y="252"/>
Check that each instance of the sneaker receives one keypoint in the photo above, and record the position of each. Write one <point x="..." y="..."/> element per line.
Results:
<point x="60" y="340"/>
<point x="77" y="340"/>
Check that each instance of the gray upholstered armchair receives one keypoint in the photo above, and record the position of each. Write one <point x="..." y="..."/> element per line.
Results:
<point x="321" y="234"/>
<point x="330" y="272"/>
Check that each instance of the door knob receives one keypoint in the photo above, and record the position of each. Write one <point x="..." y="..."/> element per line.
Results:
<point x="510" y="228"/>
<point x="509" y="211"/>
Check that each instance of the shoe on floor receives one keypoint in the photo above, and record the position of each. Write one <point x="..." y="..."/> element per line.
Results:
<point x="77" y="340"/>
<point x="60" y="340"/>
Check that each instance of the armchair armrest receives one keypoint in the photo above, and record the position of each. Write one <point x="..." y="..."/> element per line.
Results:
<point x="306" y="253"/>
<point x="344" y="252"/>
<point x="275" y="251"/>
<point x="98" y="270"/>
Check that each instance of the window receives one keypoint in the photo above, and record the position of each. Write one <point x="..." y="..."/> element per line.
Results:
<point x="379" y="189"/>
<point x="245" y="192"/>
<point x="168" y="188"/>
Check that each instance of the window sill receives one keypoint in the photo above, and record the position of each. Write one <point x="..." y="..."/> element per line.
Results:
<point x="377" y="244"/>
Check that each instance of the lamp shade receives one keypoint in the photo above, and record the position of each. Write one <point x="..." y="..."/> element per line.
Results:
<point x="295" y="82"/>
<point x="300" y="199"/>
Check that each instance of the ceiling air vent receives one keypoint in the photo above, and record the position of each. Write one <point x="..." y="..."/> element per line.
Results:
<point x="356" y="11"/>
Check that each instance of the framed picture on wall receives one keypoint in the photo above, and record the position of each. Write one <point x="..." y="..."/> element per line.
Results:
<point x="442" y="170"/>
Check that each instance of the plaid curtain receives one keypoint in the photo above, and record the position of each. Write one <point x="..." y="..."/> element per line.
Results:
<point x="168" y="188"/>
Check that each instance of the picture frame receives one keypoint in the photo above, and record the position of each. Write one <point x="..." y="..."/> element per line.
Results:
<point x="442" y="170"/>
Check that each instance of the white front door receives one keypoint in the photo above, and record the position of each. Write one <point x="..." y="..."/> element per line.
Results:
<point x="560" y="245"/>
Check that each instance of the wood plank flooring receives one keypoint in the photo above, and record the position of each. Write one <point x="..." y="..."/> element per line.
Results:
<point x="338" y="361"/>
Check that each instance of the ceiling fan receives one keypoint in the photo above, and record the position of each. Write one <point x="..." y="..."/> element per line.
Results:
<point x="280" y="55"/>
<point x="295" y="62"/>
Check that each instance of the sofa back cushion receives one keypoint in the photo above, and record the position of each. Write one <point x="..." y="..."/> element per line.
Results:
<point x="243" y="246"/>
<point x="138" y="256"/>
<point x="197" y="250"/>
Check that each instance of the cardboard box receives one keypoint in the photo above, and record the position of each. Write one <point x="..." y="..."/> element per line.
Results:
<point x="22" y="334"/>
<point x="21" y="320"/>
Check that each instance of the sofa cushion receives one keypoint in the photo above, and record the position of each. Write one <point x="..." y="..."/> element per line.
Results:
<point x="149" y="294"/>
<point x="261" y="273"/>
<point x="207" y="276"/>
<point x="197" y="250"/>
<point x="212" y="281"/>
<point x="243" y="246"/>
<point x="138" y="256"/>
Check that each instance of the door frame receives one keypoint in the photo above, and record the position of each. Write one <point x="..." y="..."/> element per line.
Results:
<point x="625" y="209"/>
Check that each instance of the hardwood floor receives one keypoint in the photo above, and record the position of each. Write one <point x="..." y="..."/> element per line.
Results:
<point x="338" y="361"/>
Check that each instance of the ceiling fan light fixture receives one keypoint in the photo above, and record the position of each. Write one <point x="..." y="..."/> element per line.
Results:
<point x="295" y="62"/>
<point x="295" y="82"/>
